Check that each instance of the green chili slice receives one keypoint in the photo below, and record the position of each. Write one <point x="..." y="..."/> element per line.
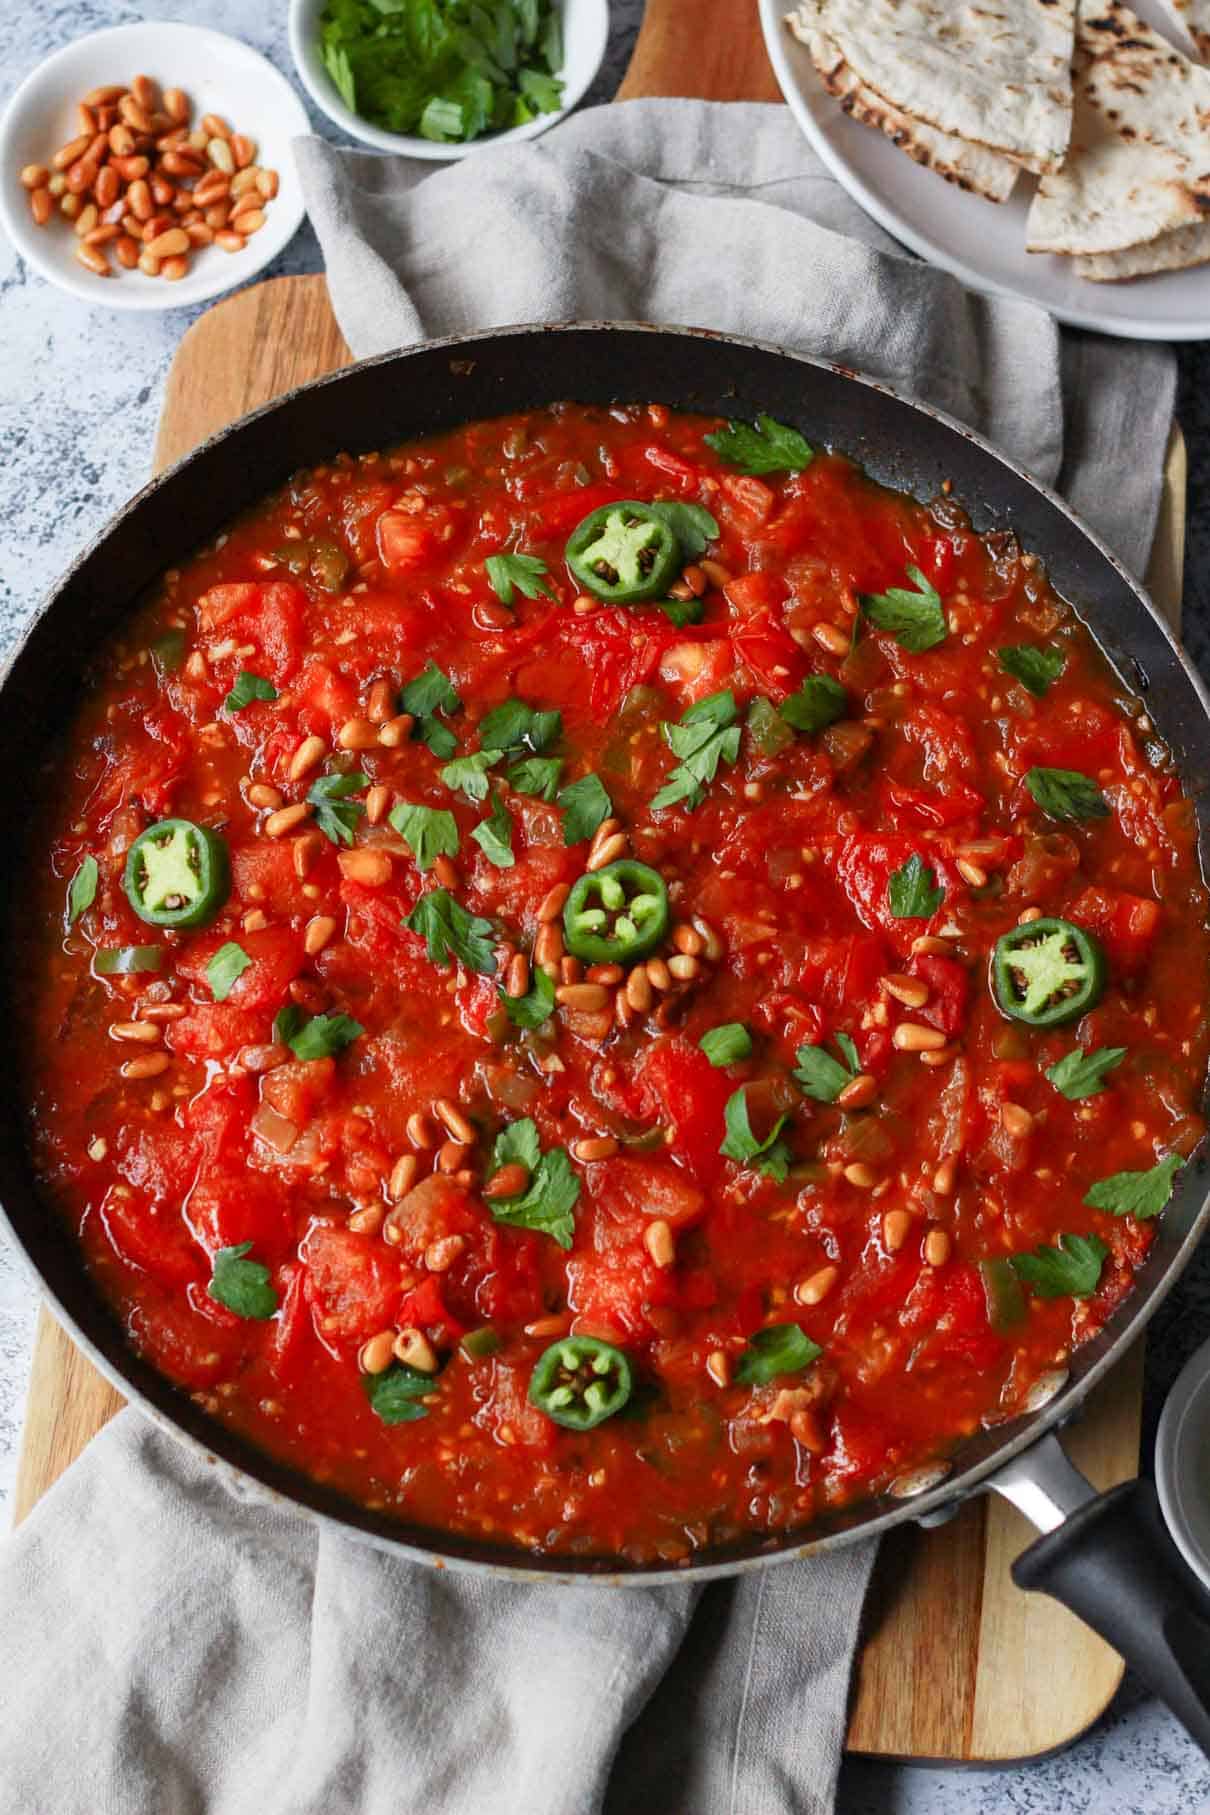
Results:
<point x="177" y="874"/>
<point x="580" y="1381"/>
<point x="125" y="960"/>
<point x="624" y="553"/>
<point x="1002" y="1290"/>
<point x="616" y="914"/>
<point x="1047" y="972"/>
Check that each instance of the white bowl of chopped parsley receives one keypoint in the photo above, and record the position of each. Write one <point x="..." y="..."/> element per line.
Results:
<point x="440" y="78"/>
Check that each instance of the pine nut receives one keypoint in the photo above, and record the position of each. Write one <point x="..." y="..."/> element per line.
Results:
<point x="216" y="126"/>
<point x="143" y="1033"/>
<point x="403" y="1176"/>
<point x="448" y="1112"/>
<point x="378" y="799"/>
<point x="145" y="92"/>
<point x="913" y="1036"/>
<point x="658" y="974"/>
<point x="583" y="603"/>
<point x="440" y="1255"/>
<point x="135" y="116"/>
<point x="714" y="947"/>
<point x="683" y="967"/>
<point x="1028" y="915"/>
<point x="861" y="1175"/>
<point x="35" y="176"/>
<point x="262" y="794"/>
<point x="357" y="734"/>
<point x="219" y="153"/>
<point x="609" y="852"/>
<point x="380" y="702"/>
<point x="941" y="1056"/>
<point x="311" y="751"/>
<point x="168" y="245"/>
<point x="945" y="1176"/>
<point x="286" y="818"/>
<point x="94" y="258"/>
<point x="268" y="182"/>
<point x="582" y="998"/>
<point x="370" y="867"/>
<point x="452" y="1156"/>
<point x="935" y="947"/>
<point x="553" y="903"/>
<point x="126" y="251"/>
<point x="557" y="1324"/>
<point x="896" y="1227"/>
<point x="1017" y="1121"/>
<point x="509" y="1181"/>
<point x="420" y="1130"/>
<point x="396" y="731"/>
<point x="41" y="206"/>
<point x="599" y="1147"/>
<point x="548" y="946"/>
<point x="367" y="1221"/>
<point x="176" y="105"/>
<point x="69" y="206"/>
<point x="230" y="242"/>
<point x="210" y="188"/>
<point x="860" y="1091"/>
<point x="247" y="203"/>
<point x="605" y="830"/>
<point x="971" y="873"/>
<point x="318" y="933"/>
<point x="149" y="1066"/>
<point x="936" y="1247"/>
<point x="163" y="1011"/>
<point x="911" y="991"/>
<point x="718" y="1367"/>
<point x="107" y="96"/>
<point x="446" y="872"/>
<point x="414" y="1349"/>
<point x="687" y="939"/>
<point x="517" y="980"/>
<point x="107" y="187"/>
<point x="659" y="1243"/>
<point x="304" y="851"/>
<point x="831" y="638"/>
<point x="243" y="149"/>
<point x="71" y="153"/>
<point x="571" y="970"/>
<point x="816" y="1286"/>
<point x="638" y="990"/>
<point x="164" y="193"/>
<point x="376" y="1354"/>
<point x="138" y="200"/>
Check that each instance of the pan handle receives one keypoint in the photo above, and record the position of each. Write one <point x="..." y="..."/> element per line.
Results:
<point x="1109" y="1558"/>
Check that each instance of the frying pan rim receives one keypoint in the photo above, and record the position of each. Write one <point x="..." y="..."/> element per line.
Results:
<point x="447" y="1550"/>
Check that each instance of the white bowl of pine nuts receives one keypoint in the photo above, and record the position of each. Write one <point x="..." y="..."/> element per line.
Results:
<point x="149" y="166"/>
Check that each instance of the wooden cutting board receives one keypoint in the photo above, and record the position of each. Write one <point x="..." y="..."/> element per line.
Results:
<point x="956" y="1664"/>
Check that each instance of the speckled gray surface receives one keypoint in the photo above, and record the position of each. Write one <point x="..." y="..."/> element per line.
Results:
<point x="79" y="396"/>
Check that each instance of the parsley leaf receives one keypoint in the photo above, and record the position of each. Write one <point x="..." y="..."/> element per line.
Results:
<point x="525" y="573"/>
<point x="468" y="774"/>
<point x="780" y="1348"/>
<point x="725" y="1045"/>
<point x="82" y="890"/>
<point x="823" y="1077"/>
<point x="225" y="969"/>
<point x="452" y="934"/>
<point x="317" y="1036"/>
<point x="770" y="1156"/>
<point x="242" y="1285"/>
<point x="248" y="687"/>
<point x="336" y="815"/>
<point x="553" y="1191"/>
<point x="537" y="775"/>
<point x="514" y="727"/>
<point x="535" y="1006"/>
<point x="1139" y="1194"/>
<point x="762" y="447"/>
<point x="395" y="1395"/>
<point x="1035" y="668"/>
<point x="706" y="735"/>
<point x="432" y="692"/>
<point x="1072" y="1270"/>
<point x="692" y="525"/>
<point x="912" y="891"/>
<point x="428" y="832"/>
<point x="1067" y="794"/>
<point x="914" y="619"/>
<point x="820" y="701"/>
<point x="1082" y="1074"/>
<point x="585" y="806"/>
<point x="494" y="835"/>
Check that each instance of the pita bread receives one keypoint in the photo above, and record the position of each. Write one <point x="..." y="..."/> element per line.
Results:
<point x="1140" y="157"/>
<point x="973" y="167"/>
<point x="1194" y="15"/>
<point x="997" y="73"/>
<point x="1176" y="251"/>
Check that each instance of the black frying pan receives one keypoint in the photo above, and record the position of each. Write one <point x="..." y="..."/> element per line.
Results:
<point x="1106" y="1556"/>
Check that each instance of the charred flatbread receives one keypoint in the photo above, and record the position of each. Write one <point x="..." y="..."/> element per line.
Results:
<point x="1179" y="250"/>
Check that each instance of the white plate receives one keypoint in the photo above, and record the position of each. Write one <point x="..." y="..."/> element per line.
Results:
<point x="981" y="242"/>
<point x="1182" y="1463"/>
<point x="220" y="75"/>
<point x="585" y="35"/>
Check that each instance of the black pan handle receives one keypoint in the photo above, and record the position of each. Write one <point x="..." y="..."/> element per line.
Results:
<point x="1109" y="1558"/>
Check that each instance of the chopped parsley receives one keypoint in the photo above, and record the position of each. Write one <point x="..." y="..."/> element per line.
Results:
<point x="535" y="1006"/>
<point x="912" y="890"/>
<point x="241" y="1284"/>
<point x="585" y="806"/>
<point x="314" y="1036"/>
<point x="770" y="1156"/>
<point x="706" y="735"/>
<point x="428" y="832"/>
<point x="780" y="1348"/>
<point x="494" y="835"/>
<point x="692" y="525"/>
<point x="451" y="934"/>
<point x="514" y="728"/>
<point x="1072" y="1270"/>
<point x="249" y="687"/>
<point x="1139" y="1194"/>
<point x="914" y="619"/>
<point x="225" y="969"/>
<point x="819" y="702"/>
<point x="1035" y="668"/>
<point x="430" y="693"/>
<point x="1067" y="794"/>
<point x="335" y="814"/>
<point x="518" y="573"/>
<point x="82" y="889"/>
<point x="1082" y="1074"/>
<point x="726" y="1045"/>
<point x="553" y="1190"/>
<point x="537" y="775"/>
<point x="468" y="774"/>
<point x="396" y="1395"/>
<point x="764" y="446"/>
<point x="823" y="1077"/>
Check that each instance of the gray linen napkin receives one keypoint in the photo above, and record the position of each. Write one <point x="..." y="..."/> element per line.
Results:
<point x="173" y="1644"/>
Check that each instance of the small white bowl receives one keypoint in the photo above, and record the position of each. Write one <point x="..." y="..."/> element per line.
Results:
<point x="585" y="35"/>
<point x="1182" y="1463"/>
<point x="220" y="75"/>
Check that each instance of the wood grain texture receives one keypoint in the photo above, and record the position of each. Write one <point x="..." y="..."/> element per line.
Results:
<point x="956" y="1662"/>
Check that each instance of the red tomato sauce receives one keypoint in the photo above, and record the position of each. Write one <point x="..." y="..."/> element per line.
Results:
<point x="203" y="1131"/>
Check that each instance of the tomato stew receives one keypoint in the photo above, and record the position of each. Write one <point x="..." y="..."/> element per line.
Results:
<point x="603" y="982"/>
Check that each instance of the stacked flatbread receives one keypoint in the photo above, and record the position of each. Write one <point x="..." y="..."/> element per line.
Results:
<point x="1112" y="119"/>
